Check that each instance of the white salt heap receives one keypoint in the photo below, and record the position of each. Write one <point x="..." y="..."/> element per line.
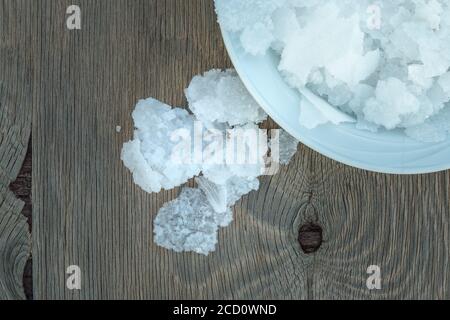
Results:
<point x="385" y="62"/>
<point x="223" y="108"/>
<point x="149" y="155"/>
<point x="189" y="223"/>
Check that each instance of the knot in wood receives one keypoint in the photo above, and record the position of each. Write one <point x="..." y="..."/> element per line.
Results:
<point x="310" y="237"/>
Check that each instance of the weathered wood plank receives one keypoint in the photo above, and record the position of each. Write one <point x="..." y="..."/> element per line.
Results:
<point x="88" y="212"/>
<point x="399" y="223"/>
<point x="21" y="187"/>
<point x="86" y="209"/>
<point x="15" y="127"/>
<point x="14" y="246"/>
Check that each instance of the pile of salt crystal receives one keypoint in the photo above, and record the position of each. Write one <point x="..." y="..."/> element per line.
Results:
<point x="384" y="62"/>
<point x="149" y="154"/>
<point x="220" y="103"/>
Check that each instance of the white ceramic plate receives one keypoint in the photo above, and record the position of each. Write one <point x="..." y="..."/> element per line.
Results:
<point x="386" y="151"/>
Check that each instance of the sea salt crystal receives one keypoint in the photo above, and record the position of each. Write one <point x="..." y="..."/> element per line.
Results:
<point x="247" y="161"/>
<point x="189" y="223"/>
<point x="286" y="26"/>
<point x="386" y="63"/>
<point x="215" y="193"/>
<point x="434" y="129"/>
<point x="223" y="196"/>
<point x="286" y="145"/>
<point x="444" y="83"/>
<point x="237" y="187"/>
<point x="328" y="51"/>
<point x="219" y="97"/>
<point x="392" y="103"/>
<point x="257" y="39"/>
<point x="430" y="12"/>
<point x="227" y="112"/>
<point x="150" y="155"/>
<point x="252" y="18"/>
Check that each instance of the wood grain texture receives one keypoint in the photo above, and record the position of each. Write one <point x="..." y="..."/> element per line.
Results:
<point x="15" y="127"/>
<point x="14" y="246"/>
<point x="87" y="211"/>
<point x="21" y="187"/>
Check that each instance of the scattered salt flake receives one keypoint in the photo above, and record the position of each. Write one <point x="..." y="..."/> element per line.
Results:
<point x="237" y="187"/>
<point x="189" y="223"/>
<point x="286" y="145"/>
<point x="152" y="156"/>
<point x="223" y="196"/>
<point x="215" y="193"/>
<point x="219" y="97"/>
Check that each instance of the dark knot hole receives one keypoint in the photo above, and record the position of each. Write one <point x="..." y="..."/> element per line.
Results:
<point x="310" y="237"/>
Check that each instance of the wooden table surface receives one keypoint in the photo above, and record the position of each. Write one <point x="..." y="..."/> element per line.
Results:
<point x="70" y="89"/>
